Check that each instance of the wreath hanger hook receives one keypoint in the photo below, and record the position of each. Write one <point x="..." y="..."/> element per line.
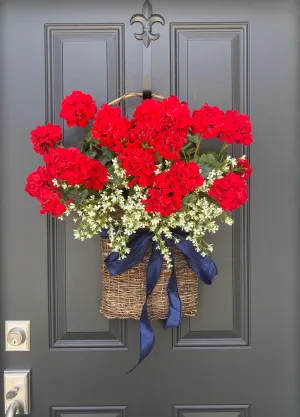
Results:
<point x="147" y="19"/>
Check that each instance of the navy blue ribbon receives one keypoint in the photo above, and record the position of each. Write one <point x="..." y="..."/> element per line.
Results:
<point x="203" y="267"/>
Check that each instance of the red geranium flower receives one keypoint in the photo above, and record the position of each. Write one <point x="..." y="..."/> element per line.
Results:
<point x="44" y="138"/>
<point x="51" y="204"/>
<point x="39" y="185"/>
<point x="171" y="186"/>
<point x="78" y="108"/>
<point x="93" y="174"/>
<point x="63" y="164"/>
<point x="245" y="166"/>
<point x="236" y="128"/>
<point x="110" y="128"/>
<point x="207" y="121"/>
<point x="184" y="176"/>
<point x="75" y="168"/>
<point x="38" y="181"/>
<point x="162" y="125"/>
<point x="230" y="191"/>
<point x="162" y="201"/>
<point x="139" y="163"/>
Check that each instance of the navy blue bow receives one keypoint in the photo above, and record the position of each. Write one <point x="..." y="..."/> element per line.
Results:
<point x="204" y="268"/>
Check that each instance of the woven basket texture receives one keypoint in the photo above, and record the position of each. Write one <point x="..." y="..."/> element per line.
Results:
<point x="123" y="296"/>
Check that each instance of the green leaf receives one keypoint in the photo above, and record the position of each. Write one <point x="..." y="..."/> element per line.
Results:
<point x="111" y="171"/>
<point x="91" y="154"/>
<point x="205" y="169"/>
<point x="192" y="138"/>
<point x="189" y="199"/>
<point x="207" y="163"/>
<point x="158" y="157"/>
<point x="210" y="160"/>
<point x="190" y="151"/>
<point x="80" y="196"/>
<point x="106" y="155"/>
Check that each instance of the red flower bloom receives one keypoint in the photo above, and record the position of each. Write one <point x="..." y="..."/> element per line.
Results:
<point x="245" y="167"/>
<point x="207" y="121"/>
<point x="44" y="138"/>
<point x="78" y="108"/>
<point x="51" y="204"/>
<point x="139" y="163"/>
<point x="38" y="181"/>
<point x="182" y="176"/>
<point x="230" y="191"/>
<point x="236" y="128"/>
<point x="172" y="186"/>
<point x="75" y="168"/>
<point x="110" y="127"/>
<point x="161" y="125"/>
<point x="63" y="164"/>
<point x="39" y="185"/>
<point x="162" y="201"/>
<point x="93" y="173"/>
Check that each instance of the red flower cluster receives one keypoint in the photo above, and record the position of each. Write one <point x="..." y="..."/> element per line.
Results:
<point x="44" y="138"/>
<point x="78" y="108"/>
<point x="230" y="127"/>
<point x="139" y="163"/>
<point x="75" y="168"/>
<point x="230" y="191"/>
<point x="39" y="185"/>
<point x="162" y="126"/>
<point x="245" y="166"/>
<point x="110" y="128"/>
<point x="157" y="132"/>
<point x="51" y="204"/>
<point x="37" y="181"/>
<point x="207" y="121"/>
<point x="171" y="186"/>
<point x="236" y="128"/>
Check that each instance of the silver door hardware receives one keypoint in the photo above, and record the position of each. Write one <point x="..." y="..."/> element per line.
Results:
<point x="17" y="335"/>
<point x="16" y="392"/>
<point x="14" y="408"/>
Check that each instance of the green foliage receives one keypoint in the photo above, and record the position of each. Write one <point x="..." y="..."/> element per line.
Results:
<point x="105" y="155"/>
<point x="189" y="199"/>
<point x="192" y="138"/>
<point x="77" y="195"/>
<point x="207" y="163"/>
<point x="91" y="154"/>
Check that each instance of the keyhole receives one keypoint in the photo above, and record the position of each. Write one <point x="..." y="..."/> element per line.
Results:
<point x="14" y="341"/>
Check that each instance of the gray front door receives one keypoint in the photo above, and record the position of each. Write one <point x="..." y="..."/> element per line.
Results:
<point x="239" y="356"/>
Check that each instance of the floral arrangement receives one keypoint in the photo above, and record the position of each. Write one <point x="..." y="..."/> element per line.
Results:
<point x="149" y="172"/>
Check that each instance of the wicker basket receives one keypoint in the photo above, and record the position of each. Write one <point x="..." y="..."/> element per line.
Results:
<point x="123" y="296"/>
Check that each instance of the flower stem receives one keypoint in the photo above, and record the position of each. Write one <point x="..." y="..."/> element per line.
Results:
<point x="224" y="146"/>
<point x="197" y="147"/>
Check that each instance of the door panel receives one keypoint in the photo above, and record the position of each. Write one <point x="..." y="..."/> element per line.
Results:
<point x="239" y="356"/>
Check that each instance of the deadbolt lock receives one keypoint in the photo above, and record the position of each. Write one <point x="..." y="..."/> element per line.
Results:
<point x="17" y="335"/>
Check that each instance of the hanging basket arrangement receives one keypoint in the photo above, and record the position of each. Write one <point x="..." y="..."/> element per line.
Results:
<point x="150" y="191"/>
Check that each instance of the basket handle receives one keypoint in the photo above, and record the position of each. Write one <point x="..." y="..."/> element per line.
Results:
<point x="130" y="95"/>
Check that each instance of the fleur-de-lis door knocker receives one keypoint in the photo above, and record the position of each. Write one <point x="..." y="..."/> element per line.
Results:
<point x="147" y="19"/>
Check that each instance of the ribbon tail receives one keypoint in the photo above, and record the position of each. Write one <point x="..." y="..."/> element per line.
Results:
<point x="204" y="268"/>
<point x="147" y="337"/>
<point x="174" y="316"/>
